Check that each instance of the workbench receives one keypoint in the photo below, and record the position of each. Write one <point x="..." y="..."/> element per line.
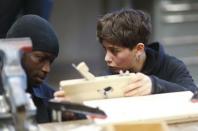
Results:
<point x="176" y="110"/>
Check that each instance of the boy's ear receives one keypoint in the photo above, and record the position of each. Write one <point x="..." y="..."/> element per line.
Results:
<point x="140" y="48"/>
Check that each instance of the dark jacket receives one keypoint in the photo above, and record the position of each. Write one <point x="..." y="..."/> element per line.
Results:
<point x="168" y="74"/>
<point x="40" y="95"/>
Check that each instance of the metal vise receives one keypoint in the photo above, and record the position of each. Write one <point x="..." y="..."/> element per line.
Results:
<point x="17" y="103"/>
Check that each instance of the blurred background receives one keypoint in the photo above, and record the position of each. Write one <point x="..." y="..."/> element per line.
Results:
<point x="175" y="24"/>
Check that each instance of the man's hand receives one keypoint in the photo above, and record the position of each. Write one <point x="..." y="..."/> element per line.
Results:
<point x="61" y="96"/>
<point x="140" y="85"/>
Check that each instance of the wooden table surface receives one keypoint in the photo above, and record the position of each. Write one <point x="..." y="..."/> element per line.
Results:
<point x="87" y="125"/>
<point x="187" y="126"/>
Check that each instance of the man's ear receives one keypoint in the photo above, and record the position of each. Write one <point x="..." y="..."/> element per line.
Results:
<point x="23" y="56"/>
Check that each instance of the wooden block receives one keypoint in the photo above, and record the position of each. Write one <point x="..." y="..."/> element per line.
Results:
<point x="83" y="69"/>
<point x="137" y="127"/>
<point x="99" y="88"/>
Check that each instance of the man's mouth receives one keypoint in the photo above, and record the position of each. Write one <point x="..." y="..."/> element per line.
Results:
<point x="39" y="79"/>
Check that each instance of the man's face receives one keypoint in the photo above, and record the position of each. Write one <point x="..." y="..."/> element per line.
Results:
<point x="119" y="58"/>
<point x="37" y="65"/>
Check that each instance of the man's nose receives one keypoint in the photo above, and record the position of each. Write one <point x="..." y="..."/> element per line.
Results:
<point x="46" y="67"/>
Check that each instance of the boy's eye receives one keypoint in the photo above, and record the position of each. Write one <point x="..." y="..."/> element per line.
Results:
<point x="114" y="50"/>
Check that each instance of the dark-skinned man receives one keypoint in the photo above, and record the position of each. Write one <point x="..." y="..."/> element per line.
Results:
<point x="37" y="63"/>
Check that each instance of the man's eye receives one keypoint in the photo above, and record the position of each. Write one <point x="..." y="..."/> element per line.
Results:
<point x="39" y="59"/>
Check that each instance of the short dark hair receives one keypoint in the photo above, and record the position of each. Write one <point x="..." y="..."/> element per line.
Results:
<point x="126" y="28"/>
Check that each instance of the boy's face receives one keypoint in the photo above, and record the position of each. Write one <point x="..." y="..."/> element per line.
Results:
<point x="37" y="65"/>
<point x="119" y="58"/>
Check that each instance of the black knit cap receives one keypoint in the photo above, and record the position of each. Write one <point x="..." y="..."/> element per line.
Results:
<point x="40" y="31"/>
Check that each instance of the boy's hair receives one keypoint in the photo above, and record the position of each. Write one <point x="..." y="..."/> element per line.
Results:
<point x="125" y="28"/>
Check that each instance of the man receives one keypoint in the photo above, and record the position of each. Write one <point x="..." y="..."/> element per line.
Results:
<point x="124" y="35"/>
<point x="37" y="63"/>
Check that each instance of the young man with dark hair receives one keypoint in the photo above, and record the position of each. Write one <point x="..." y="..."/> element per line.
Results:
<point x="37" y="63"/>
<point x="125" y="35"/>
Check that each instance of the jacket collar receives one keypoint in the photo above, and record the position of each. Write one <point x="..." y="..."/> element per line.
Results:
<point x="155" y="57"/>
